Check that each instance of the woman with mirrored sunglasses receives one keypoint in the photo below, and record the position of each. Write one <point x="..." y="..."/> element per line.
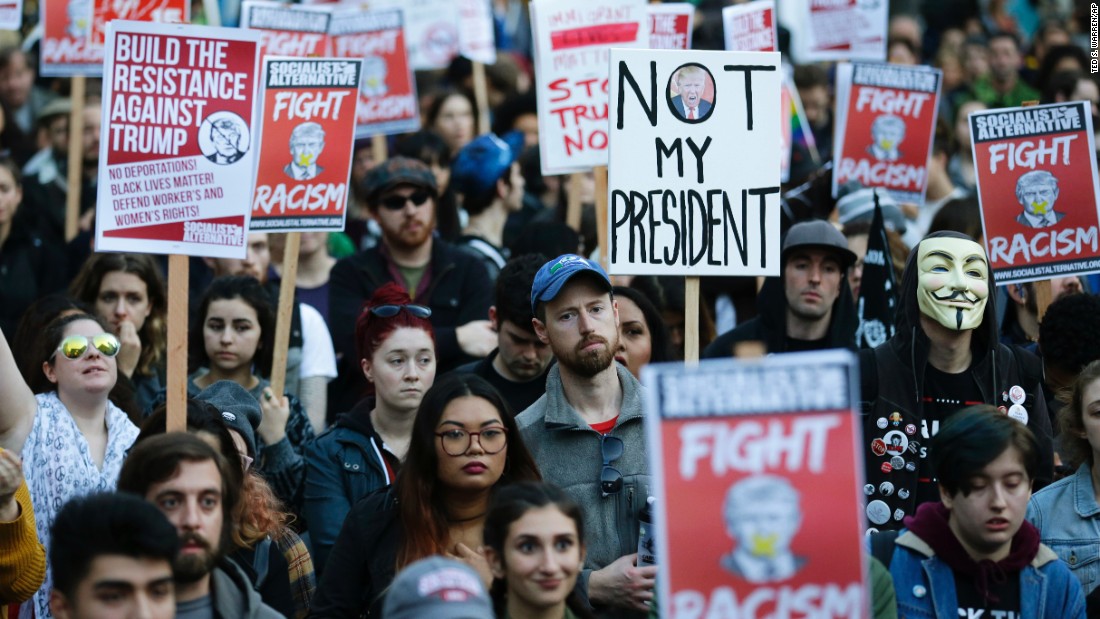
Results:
<point x="71" y="437"/>
<point x="465" y="445"/>
<point x="366" y="446"/>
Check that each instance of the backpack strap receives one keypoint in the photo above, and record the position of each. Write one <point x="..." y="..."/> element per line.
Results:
<point x="882" y="546"/>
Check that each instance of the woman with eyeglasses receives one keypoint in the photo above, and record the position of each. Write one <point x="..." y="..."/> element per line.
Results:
<point x="233" y="340"/>
<point x="364" y="449"/>
<point x="464" y="446"/>
<point x="534" y="542"/>
<point x="128" y="293"/>
<point x="71" y="438"/>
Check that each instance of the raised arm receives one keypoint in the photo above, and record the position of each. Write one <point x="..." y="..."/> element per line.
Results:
<point x="17" y="403"/>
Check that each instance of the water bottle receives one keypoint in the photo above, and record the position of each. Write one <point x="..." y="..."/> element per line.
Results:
<point x="647" y="544"/>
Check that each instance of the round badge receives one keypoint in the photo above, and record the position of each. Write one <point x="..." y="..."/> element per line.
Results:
<point x="870" y="530"/>
<point x="911" y="467"/>
<point x="878" y="512"/>
<point x="914" y="447"/>
<point x="896" y="442"/>
<point x="869" y="489"/>
<point x="878" y="447"/>
<point x="1004" y="411"/>
<point x="882" y="423"/>
<point x="903" y="493"/>
<point x="897" y="462"/>
<point x="886" y="467"/>
<point x="910" y="429"/>
<point x="1017" y="412"/>
<point x="1016" y="394"/>
<point x="886" y="488"/>
<point x="899" y="514"/>
<point x="919" y="591"/>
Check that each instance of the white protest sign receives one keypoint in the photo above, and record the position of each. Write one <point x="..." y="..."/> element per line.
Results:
<point x="177" y="157"/>
<point x="476" y="39"/>
<point x="841" y="30"/>
<point x="572" y="44"/>
<point x="693" y="176"/>
<point x="431" y="30"/>
<point x="670" y="25"/>
<point x="11" y="14"/>
<point x="750" y="27"/>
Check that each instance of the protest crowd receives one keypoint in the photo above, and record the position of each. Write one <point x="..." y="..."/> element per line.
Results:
<point x="464" y="429"/>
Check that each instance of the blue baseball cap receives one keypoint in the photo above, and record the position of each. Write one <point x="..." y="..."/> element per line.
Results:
<point x="553" y="275"/>
<point x="482" y="162"/>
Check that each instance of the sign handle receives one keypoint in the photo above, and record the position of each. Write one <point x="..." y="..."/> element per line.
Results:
<point x="601" y="215"/>
<point x="178" y="280"/>
<point x="481" y="97"/>
<point x="212" y="11"/>
<point x="691" y="320"/>
<point x="379" y="150"/>
<point x="573" y="206"/>
<point x="76" y="158"/>
<point x="286" y="312"/>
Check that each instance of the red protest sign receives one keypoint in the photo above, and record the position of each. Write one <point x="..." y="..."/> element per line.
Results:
<point x="750" y="27"/>
<point x="288" y="29"/>
<point x="760" y="486"/>
<point x="387" y="91"/>
<point x="177" y="154"/>
<point x="305" y="156"/>
<point x="886" y="120"/>
<point x="160" y="11"/>
<point x="670" y="25"/>
<point x="1037" y="184"/>
<point x="66" y="40"/>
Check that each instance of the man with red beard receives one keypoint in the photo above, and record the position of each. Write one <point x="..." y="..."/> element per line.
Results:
<point x="196" y="489"/>
<point x="586" y="432"/>
<point x="401" y="195"/>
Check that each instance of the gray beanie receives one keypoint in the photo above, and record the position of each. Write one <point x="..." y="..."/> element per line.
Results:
<point x="239" y="409"/>
<point x="438" y="588"/>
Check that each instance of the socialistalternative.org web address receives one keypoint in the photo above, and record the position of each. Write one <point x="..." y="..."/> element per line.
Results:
<point x="1049" y="270"/>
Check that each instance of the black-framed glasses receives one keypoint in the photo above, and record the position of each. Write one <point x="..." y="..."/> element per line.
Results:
<point x="396" y="202"/>
<point x="457" y="442"/>
<point x="76" y="346"/>
<point x="611" y="480"/>
<point x="389" y="311"/>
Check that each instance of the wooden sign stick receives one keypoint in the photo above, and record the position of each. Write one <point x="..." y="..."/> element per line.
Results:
<point x="481" y="97"/>
<point x="286" y="312"/>
<point x="573" y="204"/>
<point x="178" y="285"/>
<point x="691" y="320"/>
<point x="601" y="215"/>
<point x="76" y="158"/>
<point x="379" y="150"/>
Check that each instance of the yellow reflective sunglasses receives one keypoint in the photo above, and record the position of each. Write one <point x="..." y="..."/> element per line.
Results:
<point x="75" y="346"/>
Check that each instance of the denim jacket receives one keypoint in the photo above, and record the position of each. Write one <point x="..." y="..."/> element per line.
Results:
<point x="925" y="585"/>
<point x="1068" y="520"/>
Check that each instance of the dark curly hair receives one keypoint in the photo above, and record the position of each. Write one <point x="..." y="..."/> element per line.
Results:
<point x="1069" y="334"/>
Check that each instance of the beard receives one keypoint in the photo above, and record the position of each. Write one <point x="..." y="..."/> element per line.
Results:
<point x="591" y="363"/>
<point x="192" y="568"/>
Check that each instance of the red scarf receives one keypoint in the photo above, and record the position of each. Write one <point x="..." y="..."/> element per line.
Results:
<point x="930" y="524"/>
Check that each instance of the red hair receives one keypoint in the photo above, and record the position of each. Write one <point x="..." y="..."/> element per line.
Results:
<point x="371" y="330"/>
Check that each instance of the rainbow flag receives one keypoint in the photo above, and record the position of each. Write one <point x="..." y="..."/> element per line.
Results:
<point x="795" y="128"/>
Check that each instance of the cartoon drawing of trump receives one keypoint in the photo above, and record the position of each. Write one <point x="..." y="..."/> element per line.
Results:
<point x="1037" y="192"/>
<point x="887" y="131"/>
<point x="307" y="140"/>
<point x="762" y="515"/>
<point x="373" y="83"/>
<point x="225" y="135"/>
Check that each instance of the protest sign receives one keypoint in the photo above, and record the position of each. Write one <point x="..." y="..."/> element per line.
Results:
<point x="306" y="144"/>
<point x="288" y="29"/>
<point x="572" y="46"/>
<point x="476" y="39"/>
<point x="177" y="157"/>
<point x="841" y="30"/>
<point x="160" y="11"/>
<point x="750" y="27"/>
<point x="694" y="163"/>
<point x="886" y="120"/>
<point x="11" y="14"/>
<point x="67" y="49"/>
<point x="387" y="90"/>
<point x="670" y="25"/>
<point x="431" y="30"/>
<point x="1036" y="181"/>
<point x="759" y="487"/>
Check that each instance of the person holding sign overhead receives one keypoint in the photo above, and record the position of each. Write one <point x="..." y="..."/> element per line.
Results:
<point x="815" y="310"/>
<point x="592" y="414"/>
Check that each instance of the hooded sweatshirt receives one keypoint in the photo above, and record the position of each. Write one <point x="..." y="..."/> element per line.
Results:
<point x="770" y="325"/>
<point x="898" y="422"/>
